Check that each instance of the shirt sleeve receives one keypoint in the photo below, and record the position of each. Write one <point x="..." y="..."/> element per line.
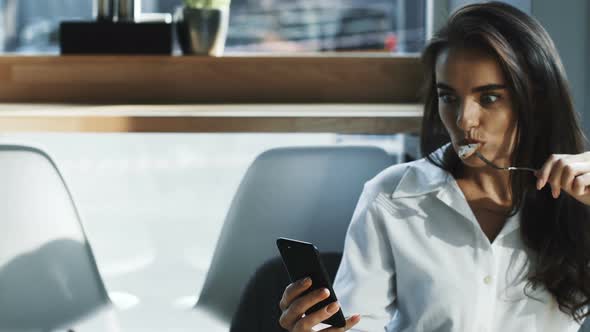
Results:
<point x="365" y="281"/>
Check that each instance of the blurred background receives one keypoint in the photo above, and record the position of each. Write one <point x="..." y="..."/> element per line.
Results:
<point x="31" y="26"/>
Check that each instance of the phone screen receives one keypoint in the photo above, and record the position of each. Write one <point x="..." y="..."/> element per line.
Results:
<point x="302" y="260"/>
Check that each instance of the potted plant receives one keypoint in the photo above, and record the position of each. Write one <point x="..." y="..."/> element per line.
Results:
<point x="202" y="26"/>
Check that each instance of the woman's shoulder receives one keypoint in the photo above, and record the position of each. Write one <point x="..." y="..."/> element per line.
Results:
<point x="411" y="178"/>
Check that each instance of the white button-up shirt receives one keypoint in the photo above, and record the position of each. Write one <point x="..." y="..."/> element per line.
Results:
<point x="415" y="259"/>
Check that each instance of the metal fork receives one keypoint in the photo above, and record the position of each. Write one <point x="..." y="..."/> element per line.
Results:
<point x="509" y="168"/>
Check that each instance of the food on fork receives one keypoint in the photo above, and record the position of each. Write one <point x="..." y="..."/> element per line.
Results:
<point x="467" y="150"/>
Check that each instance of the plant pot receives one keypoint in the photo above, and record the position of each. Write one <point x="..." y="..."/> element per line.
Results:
<point x="202" y="31"/>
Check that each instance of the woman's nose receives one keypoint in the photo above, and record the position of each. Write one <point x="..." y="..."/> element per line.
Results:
<point x="468" y="115"/>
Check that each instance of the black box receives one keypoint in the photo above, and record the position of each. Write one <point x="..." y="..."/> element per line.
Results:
<point x="99" y="37"/>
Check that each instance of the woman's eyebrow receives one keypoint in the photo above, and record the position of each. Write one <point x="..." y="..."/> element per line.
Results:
<point x="481" y="88"/>
<point x="444" y="86"/>
<point x="489" y="87"/>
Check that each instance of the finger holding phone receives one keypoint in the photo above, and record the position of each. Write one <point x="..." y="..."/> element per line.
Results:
<point x="309" y="300"/>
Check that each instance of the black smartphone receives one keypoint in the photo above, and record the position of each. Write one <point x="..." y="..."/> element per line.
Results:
<point x="302" y="259"/>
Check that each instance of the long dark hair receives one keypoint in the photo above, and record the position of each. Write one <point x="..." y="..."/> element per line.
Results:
<point x="557" y="231"/>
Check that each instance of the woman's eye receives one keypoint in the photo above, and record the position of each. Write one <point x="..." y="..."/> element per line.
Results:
<point x="446" y="98"/>
<point x="489" y="99"/>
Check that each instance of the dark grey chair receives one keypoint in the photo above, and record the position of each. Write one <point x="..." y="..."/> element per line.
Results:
<point x="258" y="310"/>
<point x="304" y="193"/>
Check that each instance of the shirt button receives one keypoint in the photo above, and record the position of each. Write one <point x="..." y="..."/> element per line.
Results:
<point x="487" y="280"/>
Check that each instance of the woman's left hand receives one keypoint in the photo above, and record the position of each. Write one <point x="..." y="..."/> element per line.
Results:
<point x="567" y="172"/>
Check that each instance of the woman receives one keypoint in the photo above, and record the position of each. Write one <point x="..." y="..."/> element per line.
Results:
<point x="451" y="244"/>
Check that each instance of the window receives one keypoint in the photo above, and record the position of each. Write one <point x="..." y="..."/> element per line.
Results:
<point x="31" y="26"/>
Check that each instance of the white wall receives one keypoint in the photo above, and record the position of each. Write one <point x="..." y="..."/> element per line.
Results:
<point x="567" y="23"/>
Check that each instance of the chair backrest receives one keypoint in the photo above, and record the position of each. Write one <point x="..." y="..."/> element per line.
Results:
<point x="48" y="275"/>
<point x="304" y="193"/>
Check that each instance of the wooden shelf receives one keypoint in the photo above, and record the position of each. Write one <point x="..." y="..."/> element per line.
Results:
<point x="379" y="78"/>
<point x="350" y="93"/>
<point x="342" y="118"/>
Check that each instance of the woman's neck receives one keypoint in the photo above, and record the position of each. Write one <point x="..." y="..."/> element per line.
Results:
<point x="494" y="183"/>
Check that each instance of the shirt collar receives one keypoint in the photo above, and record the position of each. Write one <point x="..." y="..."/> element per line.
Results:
<point x="422" y="177"/>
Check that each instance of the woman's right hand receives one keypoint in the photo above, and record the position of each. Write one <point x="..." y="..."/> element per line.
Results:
<point x="294" y="307"/>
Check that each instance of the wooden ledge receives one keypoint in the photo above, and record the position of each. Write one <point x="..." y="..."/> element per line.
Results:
<point x="378" y="78"/>
<point x="342" y="118"/>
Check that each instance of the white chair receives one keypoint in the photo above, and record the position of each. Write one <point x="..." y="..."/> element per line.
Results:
<point x="48" y="275"/>
<point x="305" y="193"/>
